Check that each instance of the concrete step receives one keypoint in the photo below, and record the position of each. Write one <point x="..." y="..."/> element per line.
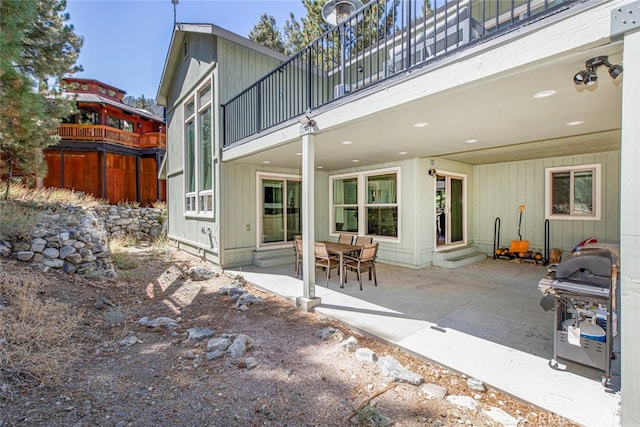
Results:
<point x="455" y="252"/>
<point x="272" y="258"/>
<point x="458" y="257"/>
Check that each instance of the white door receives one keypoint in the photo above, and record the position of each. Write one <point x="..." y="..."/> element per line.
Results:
<point x="450" y="210"/>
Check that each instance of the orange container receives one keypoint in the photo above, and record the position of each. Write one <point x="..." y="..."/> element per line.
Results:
<point x="519" y="246"/>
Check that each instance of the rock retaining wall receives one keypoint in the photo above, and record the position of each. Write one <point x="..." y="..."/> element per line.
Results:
<point x="76" y="239"/>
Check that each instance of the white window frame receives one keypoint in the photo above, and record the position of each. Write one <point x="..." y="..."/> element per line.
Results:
<point x="205" y="197"/>
<point x="259" y="177"/>
<point x="597" y="193"/>
<point x="362" y="202"/>
<point x="190" y="197"/>
<point x="199" y="203"/>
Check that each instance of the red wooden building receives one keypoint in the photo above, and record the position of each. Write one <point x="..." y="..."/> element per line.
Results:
<point x="108" y="149"/>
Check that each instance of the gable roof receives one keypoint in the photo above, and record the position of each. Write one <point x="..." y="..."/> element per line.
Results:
<point x="95" y="98"/>
<point x="175" y="51"/>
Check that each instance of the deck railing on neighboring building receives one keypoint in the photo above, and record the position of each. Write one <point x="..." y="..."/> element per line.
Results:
<point x="101" y="133"/>
<point x="383" y="39"/>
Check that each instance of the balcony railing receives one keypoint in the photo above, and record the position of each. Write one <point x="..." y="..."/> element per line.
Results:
<point x="101" y="133"/>
<point x="383" y="39"/>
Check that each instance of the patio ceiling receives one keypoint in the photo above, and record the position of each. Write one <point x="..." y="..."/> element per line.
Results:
<point x="501" y="113"/>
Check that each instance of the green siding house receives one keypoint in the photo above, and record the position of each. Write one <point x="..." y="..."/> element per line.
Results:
<point x="420" y="134"/>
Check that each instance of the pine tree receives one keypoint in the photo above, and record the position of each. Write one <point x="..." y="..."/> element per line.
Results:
<point x="266" y="33"/>
<point x="38" y="49"/>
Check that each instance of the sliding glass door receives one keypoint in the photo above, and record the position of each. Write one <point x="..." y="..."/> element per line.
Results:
<point x="281" y="209"/>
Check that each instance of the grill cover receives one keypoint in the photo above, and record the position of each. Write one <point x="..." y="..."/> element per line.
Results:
<point x="589" y="266"/>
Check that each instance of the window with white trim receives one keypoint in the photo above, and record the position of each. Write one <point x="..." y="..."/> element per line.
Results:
<point x="573" y="192"/>
<point x="198" y="155"/>
<point x="366" y="203"/>
<point x="279" y="208"/>
<point x="190" y="157"/>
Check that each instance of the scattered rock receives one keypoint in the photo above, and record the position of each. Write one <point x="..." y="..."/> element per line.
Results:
<point x="199" y="334"/>
<point x="250" y="362"/>
<point x="391" y="368"/>
<point x="240" y="345"/>
<point x="476" y="384"/>
<point x="330" y="332"/>
<point x="128" y="341"/>
<point x="158" y="322"/>
<point x="463" y="401"/>
<point x="247" y="299"/>
<point x="103" y="302"/>
<point x="366" y="355"/>
<point x="198" y="274"/>
<point x="501" y="417"/>
<point x="215" y="354"/>
<point x="218" y="344"/>
<point x="350" y="344"/>
<point x="434" y="391"/>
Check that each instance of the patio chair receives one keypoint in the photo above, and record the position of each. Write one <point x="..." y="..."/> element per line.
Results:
<point x="297" y="245"/>
<point x="324" y="260"/>
<point x="365" y="261"/>
<point x="345" y="238"/>
<point x="363" y="240"/>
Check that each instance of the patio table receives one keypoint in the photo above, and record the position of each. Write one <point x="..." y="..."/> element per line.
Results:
<point x="341" y="249"/>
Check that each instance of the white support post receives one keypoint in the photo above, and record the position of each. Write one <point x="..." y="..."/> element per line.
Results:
<point x="630" y="232"/>
<point x="308" y="300"/>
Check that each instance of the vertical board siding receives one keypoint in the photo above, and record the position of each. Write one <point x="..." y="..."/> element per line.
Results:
<point x="501" y="188"/>
<point x="121" y="177"/>
<point x="82" y="171"/>
<point x="148" y="178"/>
<point x="202" y="54"/>
<point x="238" y="67"/>
<point x="239" y="202"/>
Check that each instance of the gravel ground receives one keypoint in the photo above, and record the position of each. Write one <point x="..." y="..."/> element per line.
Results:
<point x="295" y="372"/>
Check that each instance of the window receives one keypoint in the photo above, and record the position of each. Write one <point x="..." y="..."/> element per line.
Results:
<point x="365" y="203"/>
<point x="185" y="49"/>
<point x="573" y="192"/>
<point x="205" y="151"/>
<point x="198" y="154"/>
<point x="280" y="208"/>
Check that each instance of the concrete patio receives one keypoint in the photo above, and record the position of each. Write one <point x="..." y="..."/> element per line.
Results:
<point x="487" y="320"/>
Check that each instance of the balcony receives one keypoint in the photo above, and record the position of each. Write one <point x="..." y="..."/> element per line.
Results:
<point x="382" y="41"/>
<point x="101" y="133"/>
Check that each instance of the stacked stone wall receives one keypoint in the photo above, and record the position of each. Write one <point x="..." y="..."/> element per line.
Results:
<point x="76" y="239"/>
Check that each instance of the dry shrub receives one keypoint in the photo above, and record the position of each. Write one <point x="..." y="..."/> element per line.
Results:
<point x="35" y="331"/>
<point x="17" y="220"/>
<point x="120" y="257"/>
<point x="159" y="204"/>
<point x="117" y="244"/>
<point x="49" y="195"/>
<point x="161" y="246"/>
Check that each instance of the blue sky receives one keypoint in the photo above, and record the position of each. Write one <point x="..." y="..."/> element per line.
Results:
<point x="126" y="41"/>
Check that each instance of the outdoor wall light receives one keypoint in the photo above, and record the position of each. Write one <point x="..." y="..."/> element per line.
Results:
<point x="588" y="76"/>
<point x="307" y="121"/>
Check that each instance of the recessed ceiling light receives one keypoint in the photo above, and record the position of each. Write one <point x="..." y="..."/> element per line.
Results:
<point x="298" y="154"/>
<point x="471" y="141"/>
<point x="420" y="124"/>
<point x="320" y="167"/>
<point x="544" y="94"/>
<point x="575" y="123"/>
<point x="266" y="162"/>
<point x="346" y="142"/>
<point x="355" y="161"/>
<point x="402" y="152"/>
